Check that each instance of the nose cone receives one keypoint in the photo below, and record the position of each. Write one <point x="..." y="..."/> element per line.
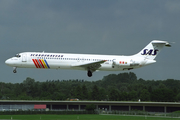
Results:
<point x="13" y="62"/>
<point x="8" y="62"/>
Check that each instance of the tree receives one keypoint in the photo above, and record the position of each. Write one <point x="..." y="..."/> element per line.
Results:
<point x="84" y="92"/>
<point x="114" y="95"/>
<point x="161" y="85"/>
<point x="127" y="77"/>
<point x="102" y="94"/>
<point x="78" y="92"/>
<point x="163" y="95"/>
<point x="123" y="96"/>
<point x="145" y="95"/>
<point x="123" y="86"/>
<point x="133" y="95"/>
<point x="178" y="97"/>
<point x="123" y="89"/>
<point x="58" y="96"/>
<point x="95" y="93"/>
<point x="28" y="84"/>
<point x="44" y="91"/>
<point x="150" y="89"/>
<point x="90" y="107"/>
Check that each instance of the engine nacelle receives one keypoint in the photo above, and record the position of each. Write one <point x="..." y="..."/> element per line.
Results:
<point x="134" y="64"/>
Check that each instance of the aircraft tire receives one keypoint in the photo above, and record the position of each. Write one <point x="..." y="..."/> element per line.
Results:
<point x="89" y="73"/>
<point x="14" y="71"/>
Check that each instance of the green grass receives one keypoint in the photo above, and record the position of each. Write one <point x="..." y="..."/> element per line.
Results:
<point x="80" y="117"/>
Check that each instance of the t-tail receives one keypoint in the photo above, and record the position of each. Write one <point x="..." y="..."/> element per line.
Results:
<point x="152" y="49"/>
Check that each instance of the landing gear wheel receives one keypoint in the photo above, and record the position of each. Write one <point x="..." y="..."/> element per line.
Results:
<point x="14" y="71"/>
<point x="89" y="73"/>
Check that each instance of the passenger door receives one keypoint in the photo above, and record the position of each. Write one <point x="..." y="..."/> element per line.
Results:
<point x="24" y="57"/>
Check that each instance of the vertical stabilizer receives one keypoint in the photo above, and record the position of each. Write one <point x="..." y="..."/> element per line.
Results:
<point x="152" y="49"/>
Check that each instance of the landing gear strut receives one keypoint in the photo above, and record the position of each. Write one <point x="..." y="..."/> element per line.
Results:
<point x="14" y="70"/>
<point x="89" y="73"/>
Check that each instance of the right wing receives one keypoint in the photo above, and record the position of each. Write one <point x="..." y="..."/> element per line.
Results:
<point x="92" y="66"/>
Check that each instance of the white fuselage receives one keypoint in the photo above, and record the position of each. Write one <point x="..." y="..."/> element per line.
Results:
<point x="74" y="61"/>
<point x="88" y="62"/>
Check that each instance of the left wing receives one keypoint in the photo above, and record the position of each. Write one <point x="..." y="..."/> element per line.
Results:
<point x="93" y="66"/>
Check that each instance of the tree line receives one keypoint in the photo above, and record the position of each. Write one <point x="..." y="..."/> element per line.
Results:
<point x="113" y="87"/>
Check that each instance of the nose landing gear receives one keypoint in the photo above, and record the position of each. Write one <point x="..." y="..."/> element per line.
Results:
<point x="14" y="70"/>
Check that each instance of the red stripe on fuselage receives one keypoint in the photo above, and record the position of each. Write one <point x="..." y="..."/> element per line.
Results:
<point x="41" y="63"/>
<point x="35" y="63"/>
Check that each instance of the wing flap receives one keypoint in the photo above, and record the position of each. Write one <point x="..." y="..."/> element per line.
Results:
<point x="92" y="66"/>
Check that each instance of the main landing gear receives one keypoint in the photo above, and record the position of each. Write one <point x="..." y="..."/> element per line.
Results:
<point x="89" y="73"/>
<point x="14" y="70"/>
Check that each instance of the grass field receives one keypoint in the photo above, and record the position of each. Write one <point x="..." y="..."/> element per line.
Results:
<point x="80" y="117"/>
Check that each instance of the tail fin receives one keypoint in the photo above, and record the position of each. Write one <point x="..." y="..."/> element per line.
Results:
<point x="152" y="49"/>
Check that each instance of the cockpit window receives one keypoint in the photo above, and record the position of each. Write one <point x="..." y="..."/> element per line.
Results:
<point x="17" y="55"/>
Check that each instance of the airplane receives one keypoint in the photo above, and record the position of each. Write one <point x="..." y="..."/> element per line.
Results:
<point x="87" y="62"/>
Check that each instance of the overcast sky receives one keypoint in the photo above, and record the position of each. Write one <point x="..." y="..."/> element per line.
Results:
<point x="118" y="27"/>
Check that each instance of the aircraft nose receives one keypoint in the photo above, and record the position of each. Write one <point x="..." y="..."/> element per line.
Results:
<point x="8" y="62"/>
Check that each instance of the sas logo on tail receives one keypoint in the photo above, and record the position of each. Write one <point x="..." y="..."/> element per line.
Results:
<point x="149" y="52"/>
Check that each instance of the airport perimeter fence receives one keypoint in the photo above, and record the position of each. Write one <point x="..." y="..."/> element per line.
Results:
<point x="140" y="113"/>
<point x="101" y="112"/>
<point x="30" y="112"/>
